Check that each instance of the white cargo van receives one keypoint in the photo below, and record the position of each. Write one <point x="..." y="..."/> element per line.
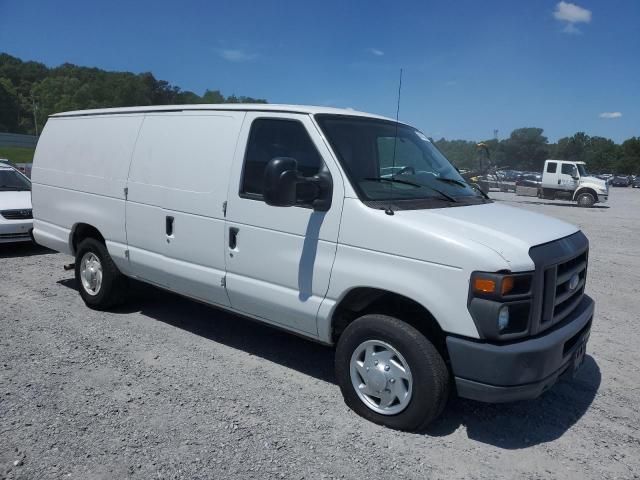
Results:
<point x="424" y="285"/>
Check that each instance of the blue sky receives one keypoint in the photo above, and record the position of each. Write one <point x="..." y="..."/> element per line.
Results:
<point x="469" y="66"/>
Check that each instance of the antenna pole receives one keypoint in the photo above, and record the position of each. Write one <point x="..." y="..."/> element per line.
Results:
<point x="389" y="210"/>
<point x="399" y="92"/>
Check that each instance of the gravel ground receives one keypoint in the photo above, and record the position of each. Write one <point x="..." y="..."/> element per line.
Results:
<point x="168" y="388"/>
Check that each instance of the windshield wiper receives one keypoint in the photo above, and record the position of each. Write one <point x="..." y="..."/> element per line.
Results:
<point x="405" y="182"/>
<point x="451" y="180"/>
<point x="463" y="184"/>
<point x="392" y="180"/>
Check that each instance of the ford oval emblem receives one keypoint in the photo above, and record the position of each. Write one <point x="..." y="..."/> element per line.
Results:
<point x="573" y="282"/>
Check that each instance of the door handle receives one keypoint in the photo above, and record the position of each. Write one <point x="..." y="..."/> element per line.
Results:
<point x="233" y="237"/>
<point x="169" y="226"/>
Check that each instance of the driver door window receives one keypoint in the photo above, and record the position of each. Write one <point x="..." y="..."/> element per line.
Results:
<point x="568" y="169"/>
<point x="270" y="138"/>
<point x="567" y="178"/>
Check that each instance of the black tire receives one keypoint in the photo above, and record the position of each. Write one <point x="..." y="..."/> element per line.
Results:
<point x="585" y="200"/>
<point x="114" y="286"/>
<point x="429" y="372"/>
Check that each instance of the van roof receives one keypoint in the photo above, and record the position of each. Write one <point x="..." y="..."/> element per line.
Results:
<point x="252" y="107"/>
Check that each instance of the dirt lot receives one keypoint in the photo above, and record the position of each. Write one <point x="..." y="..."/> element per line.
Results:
<point x="167" y="388"/>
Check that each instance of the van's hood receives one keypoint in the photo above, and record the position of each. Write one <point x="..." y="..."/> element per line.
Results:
<point x="15" y="200"/>
<point x="507" y="230"/>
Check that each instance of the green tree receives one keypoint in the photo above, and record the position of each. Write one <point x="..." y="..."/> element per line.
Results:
<point x="573" y="148"/>
<point x="212" y="96"/>
<point x="460" y="153"/>
<point x="9" y="106"/>
<point x="526" y="148"/>
<point x="630" y="161"/>
<point x="602" y="154"/>
<point x="71" y="87"/>
<point x="188" y="98"/>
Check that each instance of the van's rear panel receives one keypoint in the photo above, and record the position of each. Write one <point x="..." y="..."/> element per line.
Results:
<point x="79" y="174"/>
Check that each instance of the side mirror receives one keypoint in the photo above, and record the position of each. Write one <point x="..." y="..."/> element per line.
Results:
<point x="284" y="186"/>
<point x="280" y="181"/>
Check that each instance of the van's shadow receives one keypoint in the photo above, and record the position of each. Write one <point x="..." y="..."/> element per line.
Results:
<point x="232" y="330"/>
<point x="523" y="424"/>
<point x="22" y="249"/>
<point x="508" y="426"/>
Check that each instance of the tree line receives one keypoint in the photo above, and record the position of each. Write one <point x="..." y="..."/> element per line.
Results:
<point x="31" y="89"/>
<point x="528" y="148"/>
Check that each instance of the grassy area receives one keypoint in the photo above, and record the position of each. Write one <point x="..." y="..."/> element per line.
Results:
<point x="17" y="154"/>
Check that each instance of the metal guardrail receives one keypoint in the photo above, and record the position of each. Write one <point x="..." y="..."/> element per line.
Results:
<point x="17" y="140"/>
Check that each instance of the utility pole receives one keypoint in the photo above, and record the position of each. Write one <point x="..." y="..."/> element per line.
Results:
<point x="35" y="117"/>
<point x="495" y="134"/>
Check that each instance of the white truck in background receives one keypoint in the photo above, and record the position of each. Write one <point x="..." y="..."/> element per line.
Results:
<point x="570" y="181"/>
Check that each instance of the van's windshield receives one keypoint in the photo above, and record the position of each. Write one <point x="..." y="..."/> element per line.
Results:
<point x="11" y="180"/>
<point x="419" y="172"/>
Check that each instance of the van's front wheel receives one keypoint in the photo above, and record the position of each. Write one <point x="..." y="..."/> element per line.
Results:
<point x="389" y="373"/>
<point x="100" y="283"/>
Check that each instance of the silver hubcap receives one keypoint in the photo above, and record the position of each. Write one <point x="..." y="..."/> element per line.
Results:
<point x="381" y="377"/>
<point x="91" y="273"/>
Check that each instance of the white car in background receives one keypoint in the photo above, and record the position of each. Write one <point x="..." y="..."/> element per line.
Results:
<point x="16" y="218"/>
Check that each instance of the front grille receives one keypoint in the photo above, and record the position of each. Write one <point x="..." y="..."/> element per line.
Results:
<point x="570" y="280"/>
<point x="561" y="275"/>
<point x="23" y="214"/>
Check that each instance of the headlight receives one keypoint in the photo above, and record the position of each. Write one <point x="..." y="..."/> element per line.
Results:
<point x="500" y="304"/>
<point x="497" y="285"/>
<point x="503" y="318"/>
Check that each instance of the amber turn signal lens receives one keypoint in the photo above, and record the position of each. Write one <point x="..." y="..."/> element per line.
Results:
<point x="507" y="285"/>
<point x="484" y="285"/>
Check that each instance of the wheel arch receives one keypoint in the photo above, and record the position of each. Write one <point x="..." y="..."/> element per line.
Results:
<point x="588" y="190"/>
<point x="362" y="300"/>
<point x="80" y="231"/>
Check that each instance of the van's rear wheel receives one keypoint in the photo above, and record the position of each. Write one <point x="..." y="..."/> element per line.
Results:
<point x="389" y="373"/>
<point x="100" y="283"/>
<point x="585" y="200"/>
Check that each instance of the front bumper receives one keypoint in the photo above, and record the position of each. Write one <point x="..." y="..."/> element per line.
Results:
<point x="15" y="230"/>
<point x="603" y="197"/>
<point x="520" y="370"/>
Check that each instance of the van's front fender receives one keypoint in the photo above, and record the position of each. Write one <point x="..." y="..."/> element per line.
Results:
<point x="441" y="289"/>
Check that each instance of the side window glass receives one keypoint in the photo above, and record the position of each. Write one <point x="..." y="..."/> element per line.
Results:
<point x="552" y="167"/>
<point x="568" y="169"/>
<point x="270" y="138"/>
